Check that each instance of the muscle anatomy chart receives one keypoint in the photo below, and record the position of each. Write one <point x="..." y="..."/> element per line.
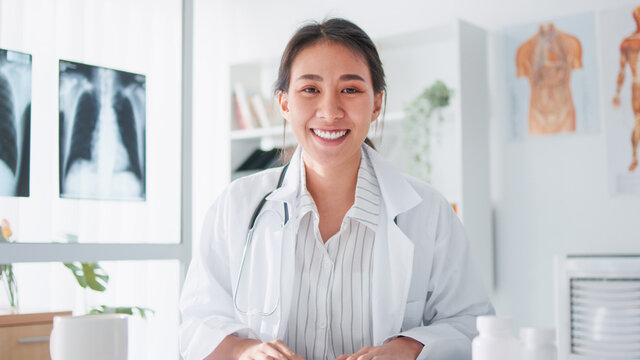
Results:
<point x="621" y="71"/>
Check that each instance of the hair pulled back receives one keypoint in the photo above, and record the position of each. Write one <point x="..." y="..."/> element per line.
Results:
<point x="335" y="30"/>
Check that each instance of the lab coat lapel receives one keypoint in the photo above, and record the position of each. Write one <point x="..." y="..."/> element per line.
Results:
<point x="287" y="194"/>
<point x="393" y="251"/>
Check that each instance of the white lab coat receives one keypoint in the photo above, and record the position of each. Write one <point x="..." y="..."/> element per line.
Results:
<point x="424" y="285"/>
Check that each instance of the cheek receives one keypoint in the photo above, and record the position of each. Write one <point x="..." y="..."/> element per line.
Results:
<point x="299" y="109"/>
<point x="362" y="109"/>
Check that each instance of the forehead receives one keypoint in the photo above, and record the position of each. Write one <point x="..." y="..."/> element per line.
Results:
<point x="329" y="57"/>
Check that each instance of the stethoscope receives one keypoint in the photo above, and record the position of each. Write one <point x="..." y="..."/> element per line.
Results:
<point x="252" y="225"/>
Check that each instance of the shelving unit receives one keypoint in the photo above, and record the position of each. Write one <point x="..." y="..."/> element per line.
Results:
<point x="456" y="54"/>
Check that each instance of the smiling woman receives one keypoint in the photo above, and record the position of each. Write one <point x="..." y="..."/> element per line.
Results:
<point x="330" y="104"/>
<point x="360" y="262"/>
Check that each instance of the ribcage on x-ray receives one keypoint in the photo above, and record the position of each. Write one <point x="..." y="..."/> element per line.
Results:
<point x="101" y="133"/>
<point x="84" y="126"/>
<point x="8" y="143"/>
<point x="126" y="125"/>
<point x="14" y="153"/>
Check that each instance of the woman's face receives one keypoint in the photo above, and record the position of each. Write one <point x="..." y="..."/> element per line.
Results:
<point x="330" y="104"/>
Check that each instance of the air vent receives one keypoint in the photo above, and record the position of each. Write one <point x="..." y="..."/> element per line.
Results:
<point x="605" y="318"/>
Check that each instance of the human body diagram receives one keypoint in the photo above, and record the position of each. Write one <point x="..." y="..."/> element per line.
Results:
<point x="547" y="59"/>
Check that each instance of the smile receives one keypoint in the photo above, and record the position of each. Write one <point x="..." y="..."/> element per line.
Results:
<point x="330" y="135"/>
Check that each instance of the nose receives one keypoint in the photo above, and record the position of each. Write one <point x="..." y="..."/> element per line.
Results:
<point x="329" y="106"/>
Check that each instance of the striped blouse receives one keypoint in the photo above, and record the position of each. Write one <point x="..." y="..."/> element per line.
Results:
<point x="331" y="307"/>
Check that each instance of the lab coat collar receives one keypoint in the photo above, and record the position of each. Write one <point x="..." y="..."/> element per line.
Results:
<point x="398" y="195"/>
<point x="289" y="189"/>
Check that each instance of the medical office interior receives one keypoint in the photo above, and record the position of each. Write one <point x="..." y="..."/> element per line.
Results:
<point x="127" y="119"/>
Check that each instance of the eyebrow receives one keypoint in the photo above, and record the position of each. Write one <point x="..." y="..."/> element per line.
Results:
<point x="344" y="77"/>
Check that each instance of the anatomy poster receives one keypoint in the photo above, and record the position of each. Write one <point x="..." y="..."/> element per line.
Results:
<point x="551" y="75"/>
<point x="15" y="122"/>
<point x="620" y="66"/>
<point x="102" y="133"/>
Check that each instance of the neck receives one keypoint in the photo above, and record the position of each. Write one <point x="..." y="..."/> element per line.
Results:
<point x="333" y="183"/>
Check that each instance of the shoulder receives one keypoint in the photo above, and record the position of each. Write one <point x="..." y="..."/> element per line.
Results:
<point x="570" y="40"/>
<point x="266" y="179"/>
<point x="245" y="192"/>
<point x="525" y="48"/>
<point x="431" y="197"/>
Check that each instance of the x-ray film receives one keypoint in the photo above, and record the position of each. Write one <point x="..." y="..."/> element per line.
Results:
<point x="15" y="122"/>
<point x="102" y="133"/>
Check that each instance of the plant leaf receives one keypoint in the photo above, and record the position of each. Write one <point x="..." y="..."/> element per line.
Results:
<point x="77" y="273"/>
<point x="129" y="310"/>
<point x="95" y="276"/>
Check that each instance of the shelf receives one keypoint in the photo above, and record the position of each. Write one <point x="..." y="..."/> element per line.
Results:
<point x="258" y="133"/>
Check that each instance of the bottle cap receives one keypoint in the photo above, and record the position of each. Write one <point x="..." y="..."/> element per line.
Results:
<point x="536" y="336"/>
<point x="493" y="324"/>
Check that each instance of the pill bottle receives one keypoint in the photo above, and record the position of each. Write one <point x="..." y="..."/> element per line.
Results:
<point x="538" y="344"/>
<point x="495" y="340"/>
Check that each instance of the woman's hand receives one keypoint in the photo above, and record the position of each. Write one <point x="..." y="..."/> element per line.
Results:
<point x="233" y="347"/>
<point x="272" y="350"/>
<point x="397" y="349"/>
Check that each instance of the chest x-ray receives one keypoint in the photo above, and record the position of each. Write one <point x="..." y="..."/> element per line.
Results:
<point x="15" y="122"/>
<point x="102" y="133"/>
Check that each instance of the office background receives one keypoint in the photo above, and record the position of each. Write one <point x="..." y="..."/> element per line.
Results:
<point x="549" y="195"/>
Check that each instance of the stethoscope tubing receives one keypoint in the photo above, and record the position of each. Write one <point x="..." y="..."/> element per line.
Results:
<point x="247" y="246"/>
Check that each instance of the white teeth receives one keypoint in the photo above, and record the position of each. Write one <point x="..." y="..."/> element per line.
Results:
<point x="329" y="135"/>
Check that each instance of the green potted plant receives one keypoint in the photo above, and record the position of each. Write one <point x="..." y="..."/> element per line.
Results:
<point x="422" y="116"/>
<point x="91" y="276"/>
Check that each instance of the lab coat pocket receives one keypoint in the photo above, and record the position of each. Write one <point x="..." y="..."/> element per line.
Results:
<point x="413" y="312"/>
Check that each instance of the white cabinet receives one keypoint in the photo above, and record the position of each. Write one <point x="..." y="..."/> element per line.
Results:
<point x="456" y="54"/>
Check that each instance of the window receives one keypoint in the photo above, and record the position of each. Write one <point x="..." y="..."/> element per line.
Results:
<point x="99" y="120"/>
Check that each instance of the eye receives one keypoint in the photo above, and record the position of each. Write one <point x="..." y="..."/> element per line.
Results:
<point x="310" y="90"/>
<point x="350" y="91"/>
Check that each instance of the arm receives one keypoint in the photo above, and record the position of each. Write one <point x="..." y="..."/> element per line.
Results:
<point x="620" y="81"/>
<point x="206" y="302"/>
<point x="523" y="60"/>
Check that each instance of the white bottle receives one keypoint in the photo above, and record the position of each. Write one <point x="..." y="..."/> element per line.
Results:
<point x="496" y="340"/>
<point x="538" y="344"/>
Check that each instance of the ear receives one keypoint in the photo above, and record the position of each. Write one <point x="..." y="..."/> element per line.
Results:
<point x="377" y="105"/>
<point x="283" y="101"/>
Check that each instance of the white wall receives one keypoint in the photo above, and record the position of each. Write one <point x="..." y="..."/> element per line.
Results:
<point x="550" y="195"/>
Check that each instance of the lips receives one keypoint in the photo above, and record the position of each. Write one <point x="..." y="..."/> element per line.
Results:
<point x="330" y="134"/>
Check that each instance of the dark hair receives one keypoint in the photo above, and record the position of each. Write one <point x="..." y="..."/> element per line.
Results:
<point x="336" y="30"/>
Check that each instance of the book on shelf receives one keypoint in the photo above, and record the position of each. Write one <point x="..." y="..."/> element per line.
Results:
<point x="243" y="110"/>
<point x="260" y="111"/>
<point x="273" y="110"/>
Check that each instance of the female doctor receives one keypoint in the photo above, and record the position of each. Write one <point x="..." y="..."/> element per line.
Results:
<point x="345" y="258"/>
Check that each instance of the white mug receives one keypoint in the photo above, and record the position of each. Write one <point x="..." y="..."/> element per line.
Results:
<point x="95" y="337"/>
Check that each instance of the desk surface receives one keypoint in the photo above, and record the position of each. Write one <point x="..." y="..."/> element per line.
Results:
<point x="9" y="319"/>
